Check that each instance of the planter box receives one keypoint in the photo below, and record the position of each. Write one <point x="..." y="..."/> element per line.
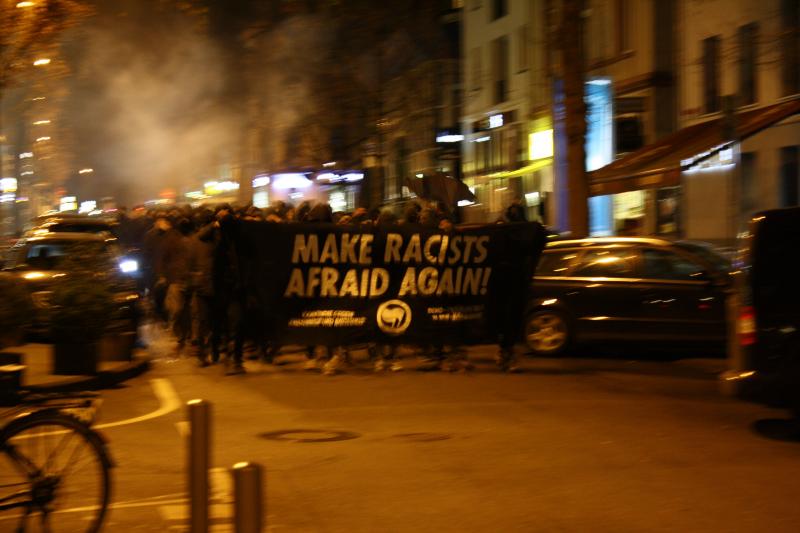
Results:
<point x="75" y="358"/>
<point x="11" y="372"/>
<point x="117" y="346"/>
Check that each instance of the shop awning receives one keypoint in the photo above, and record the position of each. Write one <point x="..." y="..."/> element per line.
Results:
<point x="660" y="164"/>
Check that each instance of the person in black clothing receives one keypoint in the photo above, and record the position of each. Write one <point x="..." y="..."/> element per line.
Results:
<point x="227" y="300"/>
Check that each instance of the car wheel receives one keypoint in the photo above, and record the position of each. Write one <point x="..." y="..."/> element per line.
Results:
<point x="546" y="332"/>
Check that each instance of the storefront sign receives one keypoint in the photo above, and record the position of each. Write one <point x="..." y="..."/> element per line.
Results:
<point x="339" y="285"/>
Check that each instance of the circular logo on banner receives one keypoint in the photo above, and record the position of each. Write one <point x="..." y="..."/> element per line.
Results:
<point x="394" y="317"/>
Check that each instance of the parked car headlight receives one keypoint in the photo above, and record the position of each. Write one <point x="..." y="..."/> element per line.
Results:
<point x="129" y="266"/>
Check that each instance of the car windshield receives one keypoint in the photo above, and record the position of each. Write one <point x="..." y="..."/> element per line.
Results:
<point x="53" y="255"/>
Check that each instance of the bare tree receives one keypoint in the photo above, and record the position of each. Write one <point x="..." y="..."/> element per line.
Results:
<point x="571" y="43"/>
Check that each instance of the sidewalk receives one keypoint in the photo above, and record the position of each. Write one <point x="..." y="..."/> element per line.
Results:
<point x="38" y="362"/>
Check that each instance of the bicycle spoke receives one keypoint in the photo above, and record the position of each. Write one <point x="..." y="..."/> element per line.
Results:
<point x="60" y="445"/>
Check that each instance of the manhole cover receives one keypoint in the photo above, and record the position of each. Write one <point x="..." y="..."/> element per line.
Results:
<point x="309" y="435"/>
<point x="424" y="437"/>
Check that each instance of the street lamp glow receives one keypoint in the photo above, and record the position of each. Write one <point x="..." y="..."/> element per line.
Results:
<point x="41" y="139"/>
<point x="86" y="171"/>
<point x="38" y="98"/>
<point x="41" y="122"/>
<point x="25" y="4"/>
<point x="41" y="62"/>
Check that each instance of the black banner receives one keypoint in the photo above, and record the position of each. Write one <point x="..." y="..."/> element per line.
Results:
<point x="325" y="284"/>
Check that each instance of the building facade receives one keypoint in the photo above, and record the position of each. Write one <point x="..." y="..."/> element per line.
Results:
<point x="740" y="56"/>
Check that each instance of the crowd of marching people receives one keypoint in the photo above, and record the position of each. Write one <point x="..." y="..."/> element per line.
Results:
<point x="194" y="288"/>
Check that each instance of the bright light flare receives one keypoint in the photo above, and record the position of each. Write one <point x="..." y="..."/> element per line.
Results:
<point x="25" y="4"/>
<point x="129" y="266"/>
<point x="41" y="62"/>
<point x="86" y="171"/>
<point x="41" y="122"/>
<point x="42" y="139"/>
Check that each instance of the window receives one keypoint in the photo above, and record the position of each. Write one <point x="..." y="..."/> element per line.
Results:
<point x="476" y="69"/>
<point x="522" y="49"/>
<point x="500" y="69"/>
<point x="556" y="263"/>
<point x="790" y="176"/>
<point x="606" y="263"/>
<point x="663" y="264"/>
<point x="747" y="37"/>
<point x="711" y="100"/>
<point x="790" y="46"/>
<point x="499" y="9"/>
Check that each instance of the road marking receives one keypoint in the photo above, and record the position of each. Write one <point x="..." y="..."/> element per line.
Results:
<point x="168" y="399"/>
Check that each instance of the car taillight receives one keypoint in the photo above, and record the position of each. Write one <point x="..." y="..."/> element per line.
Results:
<point x="747" y="326"/>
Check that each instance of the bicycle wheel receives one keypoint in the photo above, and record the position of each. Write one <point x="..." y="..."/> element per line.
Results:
<point x="63" y="467"/>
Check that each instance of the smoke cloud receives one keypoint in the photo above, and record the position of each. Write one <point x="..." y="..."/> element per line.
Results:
<point x="147" y="108"/>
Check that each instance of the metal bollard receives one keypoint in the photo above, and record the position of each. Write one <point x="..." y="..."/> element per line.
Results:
<point x="247" y="498"/>
<point x="199" y="457"/>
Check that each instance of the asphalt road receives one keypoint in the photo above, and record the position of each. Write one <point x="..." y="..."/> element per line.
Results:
<point x="575" y="444"/>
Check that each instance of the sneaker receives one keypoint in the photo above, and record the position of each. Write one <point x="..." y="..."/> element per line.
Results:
<point x="430" y="365"/>
<point x="311" y="364"/>
<point x="236" y="369"/>
<point x="332" y="366"/>
<point x="380" y="365"/>
<point x="397" y="366"/>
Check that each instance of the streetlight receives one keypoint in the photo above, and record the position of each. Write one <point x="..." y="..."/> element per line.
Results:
<point x="41" y="62"/>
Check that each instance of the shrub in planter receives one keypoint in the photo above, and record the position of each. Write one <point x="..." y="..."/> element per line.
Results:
<point x="82" y="305"/>
<point x="16" y="311"/>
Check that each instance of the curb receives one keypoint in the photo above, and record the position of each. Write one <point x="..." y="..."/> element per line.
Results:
<point x="102" y="380"/>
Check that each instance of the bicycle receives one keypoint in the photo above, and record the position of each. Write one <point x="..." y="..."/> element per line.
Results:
<point x="54" y="468"/>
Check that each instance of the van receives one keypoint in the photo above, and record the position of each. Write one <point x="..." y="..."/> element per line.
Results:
<point x="766" y="368"/>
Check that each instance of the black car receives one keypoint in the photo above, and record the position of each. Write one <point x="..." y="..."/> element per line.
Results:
<point x="38" y="262"/>
<point x="766" y="365"/>
<point x="626" y="288"/>
<point x="72" y="223"/>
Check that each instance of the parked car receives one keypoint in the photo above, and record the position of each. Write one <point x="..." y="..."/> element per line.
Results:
<point x="72" y="223"/>
<point x="626" y="288"/>
<point x="768" y="332"/>
<point x="39" y="263"/>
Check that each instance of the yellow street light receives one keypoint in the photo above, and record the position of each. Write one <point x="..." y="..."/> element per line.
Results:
<point x="25" y="4"/>
<point x="41" y="62"/>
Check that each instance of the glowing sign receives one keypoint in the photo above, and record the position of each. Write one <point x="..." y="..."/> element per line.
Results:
<point x="290" y="180"/>
<point x="449" y="138"/>
<point x="260" y="181"/>
<point x="540" y="145"/>
<point x="68" y="203"/>
<point x="8" y="185"/>
<point x="219" y="187"/>
<point x="495" y="121"/>
<point x="87" y="207"/>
